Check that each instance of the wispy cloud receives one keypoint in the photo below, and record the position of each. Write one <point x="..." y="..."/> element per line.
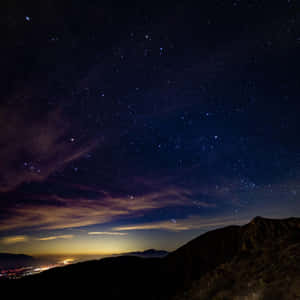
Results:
<point x="14" y="239"/>
<point x="107" y="233"/>
<point x="34" y="146"/>
<point x="50" y="238"/>
<point x="189" y="223"/>
<point x="61" y="212"/>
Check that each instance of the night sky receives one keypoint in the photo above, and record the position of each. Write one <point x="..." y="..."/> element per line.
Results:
<point x="127" y="126"/>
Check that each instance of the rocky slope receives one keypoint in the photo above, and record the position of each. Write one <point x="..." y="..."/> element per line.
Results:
<point x="266" y="266"/>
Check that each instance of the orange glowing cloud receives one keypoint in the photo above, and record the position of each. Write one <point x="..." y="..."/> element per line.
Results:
<point x="14" y="239"/>
<point x="189" y="223"/>
<point x="106" y="233"/>
<point x="51" y="238"/>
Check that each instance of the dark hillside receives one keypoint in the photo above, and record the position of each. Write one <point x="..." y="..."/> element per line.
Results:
<point x="262" y="256"/>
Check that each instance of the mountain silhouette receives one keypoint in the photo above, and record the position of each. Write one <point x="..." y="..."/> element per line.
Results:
<point x="148" y="253"/>
<point x="260" y="260"/>
<point x="8" y="260"/>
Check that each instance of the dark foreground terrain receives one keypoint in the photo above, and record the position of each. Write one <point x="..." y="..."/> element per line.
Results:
<point x="260" y="260"/>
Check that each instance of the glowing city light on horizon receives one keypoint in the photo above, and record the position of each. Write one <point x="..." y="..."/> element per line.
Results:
<point x="68" y="261"/>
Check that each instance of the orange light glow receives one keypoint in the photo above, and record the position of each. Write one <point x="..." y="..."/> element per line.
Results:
<point x="67" y="261"/>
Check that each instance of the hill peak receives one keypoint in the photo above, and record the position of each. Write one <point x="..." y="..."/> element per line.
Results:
<point x="148" y="253"/>
<point x="258" y="219"/>
<point x="287" y="223"/>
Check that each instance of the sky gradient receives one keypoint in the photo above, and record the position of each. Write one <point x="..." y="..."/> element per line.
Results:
<point x="124" y="128"/>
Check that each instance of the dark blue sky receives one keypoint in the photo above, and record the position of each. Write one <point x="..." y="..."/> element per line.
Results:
<point x="124" y="127"/>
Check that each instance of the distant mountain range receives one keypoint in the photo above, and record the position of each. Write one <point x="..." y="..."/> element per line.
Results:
<point x="148" y="253"/>
<point x="8" y="260"/>
<point x="260" y="260"/>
